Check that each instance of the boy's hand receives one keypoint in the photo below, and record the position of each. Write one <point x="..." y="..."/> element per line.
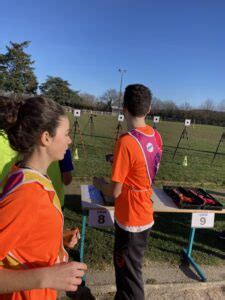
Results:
<point x="109" y="158"/>
<point x="98" y="182"/>
<point x="71" y="237"/>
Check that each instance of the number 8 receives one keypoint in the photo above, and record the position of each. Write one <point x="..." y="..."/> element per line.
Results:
<point x="101" y="219"/>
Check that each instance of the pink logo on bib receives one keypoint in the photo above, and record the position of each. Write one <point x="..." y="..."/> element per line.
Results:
<point x="150" y="147"/>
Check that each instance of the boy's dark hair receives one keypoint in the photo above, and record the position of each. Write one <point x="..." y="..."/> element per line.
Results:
<point x="137" y="99"/>
<point x="25" y="121"/>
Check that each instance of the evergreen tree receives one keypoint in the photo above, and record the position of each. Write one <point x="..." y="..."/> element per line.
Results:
<point x="16" y="71"/>
<point x="59" y="90"/>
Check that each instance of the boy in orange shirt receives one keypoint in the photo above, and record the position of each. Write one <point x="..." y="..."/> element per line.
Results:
<point x="136" y="161"/>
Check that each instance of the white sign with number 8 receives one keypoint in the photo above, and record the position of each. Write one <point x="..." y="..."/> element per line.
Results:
<point x="202" y="220"/>
<point x="101" y="218"/>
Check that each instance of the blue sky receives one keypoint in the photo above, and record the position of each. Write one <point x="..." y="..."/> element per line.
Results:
<point x="176" y="47"/>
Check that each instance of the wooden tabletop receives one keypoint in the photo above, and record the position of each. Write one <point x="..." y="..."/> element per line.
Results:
<point x="91" y="199"/>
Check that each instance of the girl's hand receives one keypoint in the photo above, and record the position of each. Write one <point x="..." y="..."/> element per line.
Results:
<point x="64" y="276"/>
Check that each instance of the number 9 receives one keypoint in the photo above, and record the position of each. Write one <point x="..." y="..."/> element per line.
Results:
<point x="202" y="220"/>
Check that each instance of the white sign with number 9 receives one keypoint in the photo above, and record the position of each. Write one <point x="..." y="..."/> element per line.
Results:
<point x="202" y="220"/>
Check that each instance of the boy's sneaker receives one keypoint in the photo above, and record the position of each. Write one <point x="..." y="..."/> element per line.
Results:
<point x="221" y="235"/>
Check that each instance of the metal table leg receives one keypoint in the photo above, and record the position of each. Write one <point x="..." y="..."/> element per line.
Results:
<point x="83" y="232"/>
<point x="187" y="253"/>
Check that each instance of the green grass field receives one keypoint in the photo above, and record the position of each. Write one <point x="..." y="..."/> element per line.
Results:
<point x="170" y="232"/>
<point x="202" y="144"/>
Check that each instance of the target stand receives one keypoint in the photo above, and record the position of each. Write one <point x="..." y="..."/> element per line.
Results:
<point x="90" y="124"/>
<point x="76" y="130"/>
<point x="184" y="135"/>
<point x="221" y="141"/>
<point x="119" y="130"/>
<point x="156" y="120"/>
<point x="119" y="127"/>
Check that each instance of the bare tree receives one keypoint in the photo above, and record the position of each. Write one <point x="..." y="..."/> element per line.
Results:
<point x="169" y="105"/>
<point x="208" y="104"/>
<point x="186" y="106"/>
<point x="88" y="99"/>
<point x="157" y="104"/>
<point x="221" y="105"/>
<point x="111" y="97"/>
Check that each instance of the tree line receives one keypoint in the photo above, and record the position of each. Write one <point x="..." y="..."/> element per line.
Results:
<point x="207" y="113"/>
<point x="18" y="79"/>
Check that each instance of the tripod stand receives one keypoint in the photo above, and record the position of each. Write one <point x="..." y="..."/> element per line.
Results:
<point x="222" y="140"/>
<point x="155" y="121"/>
<point x="184" y="135"/>
<point x="76" y="129"/>
<point x="91" y="124"/>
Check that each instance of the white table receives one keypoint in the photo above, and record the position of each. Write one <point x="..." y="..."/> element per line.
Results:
<point x="92" y="202"/>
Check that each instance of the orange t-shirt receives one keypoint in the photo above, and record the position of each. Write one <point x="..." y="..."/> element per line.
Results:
<point x="132" y="208"/>
<point x="31" y="229"/>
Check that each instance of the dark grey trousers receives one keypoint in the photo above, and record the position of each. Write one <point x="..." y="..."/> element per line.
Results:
<point x="129" y="250"/>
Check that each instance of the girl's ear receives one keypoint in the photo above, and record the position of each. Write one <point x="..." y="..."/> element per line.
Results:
<point x="45" y="138"/>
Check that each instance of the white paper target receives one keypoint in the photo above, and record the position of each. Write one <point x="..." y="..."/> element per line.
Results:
<point x="187" y="122"/>
<point x="76" y="113"/>
<point x="120" y="118"/>
<point x="156" y="119"/>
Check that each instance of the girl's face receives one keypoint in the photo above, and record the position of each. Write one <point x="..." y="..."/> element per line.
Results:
<point x="60" y="142"/>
